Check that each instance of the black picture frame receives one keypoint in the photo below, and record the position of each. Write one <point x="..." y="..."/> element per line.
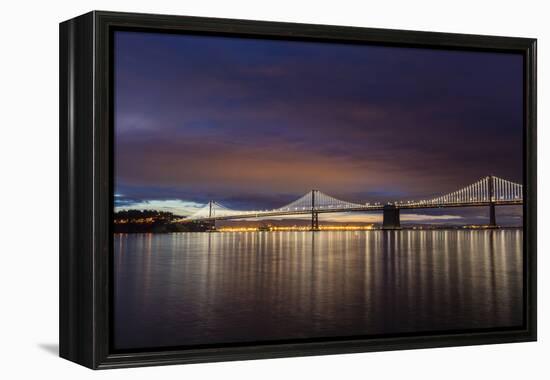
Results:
<point x="86" y="186"/>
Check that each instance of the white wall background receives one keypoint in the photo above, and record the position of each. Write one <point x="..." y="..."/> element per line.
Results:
<point x="29" y="187"/>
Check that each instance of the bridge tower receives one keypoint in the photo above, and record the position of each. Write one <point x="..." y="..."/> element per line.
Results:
<point x="314" y="215"/>
<point x="391" y="219"/>
<point x="211" y="222"/>
<point x="492" y="215"/>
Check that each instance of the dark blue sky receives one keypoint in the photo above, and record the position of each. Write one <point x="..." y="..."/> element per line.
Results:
<point x="256" y="123"/>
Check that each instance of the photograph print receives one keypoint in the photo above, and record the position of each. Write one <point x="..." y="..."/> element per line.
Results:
<point x="276" y="190"/>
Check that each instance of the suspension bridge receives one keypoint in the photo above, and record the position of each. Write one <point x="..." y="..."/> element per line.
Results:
<point x="489" y="191"/>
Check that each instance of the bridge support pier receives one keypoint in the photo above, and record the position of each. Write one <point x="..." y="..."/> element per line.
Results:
<point x="314" y="215"/>
<point x="211" y="225"/>
<point x="315" y="221"/>
<point x="391" y="219"/>
<point x="492" y="216"/>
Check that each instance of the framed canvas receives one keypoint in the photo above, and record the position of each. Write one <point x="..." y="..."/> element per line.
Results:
<point x="236" y="189"/>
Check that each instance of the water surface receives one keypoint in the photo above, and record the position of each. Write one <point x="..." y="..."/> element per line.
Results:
<point x="206" y="288"/>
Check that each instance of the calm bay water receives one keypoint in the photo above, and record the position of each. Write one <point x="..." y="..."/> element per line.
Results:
<point x="202" y="288"/>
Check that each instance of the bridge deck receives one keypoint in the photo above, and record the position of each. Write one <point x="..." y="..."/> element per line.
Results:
<point x="366" y="208"/>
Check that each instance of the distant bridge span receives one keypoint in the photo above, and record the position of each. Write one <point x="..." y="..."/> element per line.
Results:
<point x="489" y="191"/>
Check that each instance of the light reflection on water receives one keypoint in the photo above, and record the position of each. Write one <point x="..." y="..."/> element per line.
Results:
<point x="204" y="288"/>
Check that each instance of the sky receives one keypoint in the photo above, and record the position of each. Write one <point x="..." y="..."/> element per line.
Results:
<point x="255" y="123"/>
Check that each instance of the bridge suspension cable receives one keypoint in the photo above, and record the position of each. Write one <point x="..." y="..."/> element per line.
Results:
<point x="487" y="189"/>
<point x="317" y="200"/>
<point x="211" y="210"/>
<point x="506" y="190"/>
